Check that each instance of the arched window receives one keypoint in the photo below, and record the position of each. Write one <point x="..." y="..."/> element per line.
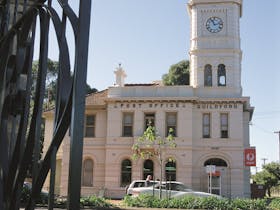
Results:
<point x="87" y="174"/>
<point x="170" y="170"/>
<point x="221" y="75"/>
<point x="125" y="173"/>
<point x="208" y="75"/>
<point x="148" y="168"/>
<point x="216" y="162"/>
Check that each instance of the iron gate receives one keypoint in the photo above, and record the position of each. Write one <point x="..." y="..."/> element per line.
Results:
<point x="19" y="125"/>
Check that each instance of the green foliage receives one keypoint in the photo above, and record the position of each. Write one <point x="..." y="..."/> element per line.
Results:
<point x="178" y="74"/>
<point x="189" y="202"/>
<point x="93" y="201"/>
<point x="269" y="176"/>
<point x="275" y="204"/>
<point x="248" y="204"/>
<point x="150" y="144"/>
<point x="273" y="168"/>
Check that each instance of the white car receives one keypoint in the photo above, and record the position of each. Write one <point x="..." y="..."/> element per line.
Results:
<point x="170" y="190"/>
<point x="139" y="184"/>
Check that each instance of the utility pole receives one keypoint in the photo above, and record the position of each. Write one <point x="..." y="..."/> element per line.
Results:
<point x="264" y="159"/>
<point x="278" y="132"/>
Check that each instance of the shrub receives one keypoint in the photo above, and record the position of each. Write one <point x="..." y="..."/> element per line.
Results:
<point x="189" y="202"/>
<point x="248" y="204"/>
<point x="275" y="204"/>
<point x="94" y="201"/>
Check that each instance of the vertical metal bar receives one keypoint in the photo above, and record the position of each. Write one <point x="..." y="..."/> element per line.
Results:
<point x="15" y="12"/>
<point x="78" y="108"/>
<point x="24" y="6"/>
<point x="52" y="179"/>
<point x="44" y="59"/>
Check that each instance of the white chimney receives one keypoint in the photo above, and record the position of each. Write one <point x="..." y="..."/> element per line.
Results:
<point x="120" y="76"/>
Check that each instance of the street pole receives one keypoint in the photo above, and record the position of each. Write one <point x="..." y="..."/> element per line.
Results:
<point x="278" y="132"/>
<point x="264" y="159"/>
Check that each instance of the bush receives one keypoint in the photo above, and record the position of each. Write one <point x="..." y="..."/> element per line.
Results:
<point x="258" y="204"/>
<point x="275" y="204"/>
<point x="189" y="202"/>
<point x="94" y="201"/>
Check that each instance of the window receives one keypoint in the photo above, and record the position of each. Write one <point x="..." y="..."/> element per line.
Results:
<point x="90" y="126"/>
<point x="221" y="75"/>
<point x="87" y="174"/>
<point x="170" y="170"/>
<point x="148" y="168"/>
<point x="171" y="123"/>
<point x="126" y="173"/>
<point x="208" y="75"/>
<point x="216" y="162"/>
<point x="224" y="125"/>
<point x="149" y="120"/>
<point x="127" y="124"/>
<point x="206" y="125"/>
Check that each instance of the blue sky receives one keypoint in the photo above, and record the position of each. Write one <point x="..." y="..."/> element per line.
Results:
<point x="147" y="36"/>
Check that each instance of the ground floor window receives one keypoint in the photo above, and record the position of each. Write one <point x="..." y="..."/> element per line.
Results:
<point x="148" y="168"/>
<point x="170" y="170"/>
<point x="87" y="174"/>
<point x="126" y="173"/>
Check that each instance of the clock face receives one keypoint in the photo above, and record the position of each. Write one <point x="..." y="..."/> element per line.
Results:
<point x="214" y="24"/>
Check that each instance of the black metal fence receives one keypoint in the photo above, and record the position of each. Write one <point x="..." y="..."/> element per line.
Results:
<point x="20" y="126"/>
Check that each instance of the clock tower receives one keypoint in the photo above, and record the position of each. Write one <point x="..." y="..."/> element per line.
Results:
<point x="215" y="54"/>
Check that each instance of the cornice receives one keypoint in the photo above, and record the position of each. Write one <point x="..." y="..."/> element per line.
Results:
<point x="208" y="2"/>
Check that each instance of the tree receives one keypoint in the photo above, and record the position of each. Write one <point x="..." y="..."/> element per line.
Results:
<point x="90" y="90"/>
<point x="273" y="168"/>
<point x="266" y="179"/>
<point x="178" y="74"/>
<point x="150" y="145"/>
<point x="51" y="82"/>
<point x="269" y="176"/>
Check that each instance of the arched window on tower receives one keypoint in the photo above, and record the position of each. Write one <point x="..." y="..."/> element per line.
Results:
<point x="126" y="173"/>
<point x="208" y="75"/>
<point x="170" y="170"/>
<point x="221" y="75"/>
<point x="148" y="168"/>
<point x="87" y="174"/>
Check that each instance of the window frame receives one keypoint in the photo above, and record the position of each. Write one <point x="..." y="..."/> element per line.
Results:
<point x="150" y="171"/>
<point x="89" y="126"/>
<point x="206" y="125"/>
<point x="84" y="171"/>
<point x="168" y="173"/>
<point x="221" y="73"/>
<point x="167" y="126"/>
<point x="224" y="135"/>
<point x="124" y="124"/>
<point x="124" y="173"/>
<point x="208" y="72"/>
<point x="146" y="117"/>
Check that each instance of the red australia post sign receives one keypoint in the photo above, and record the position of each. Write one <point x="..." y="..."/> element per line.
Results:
<point x="250" y="156"/>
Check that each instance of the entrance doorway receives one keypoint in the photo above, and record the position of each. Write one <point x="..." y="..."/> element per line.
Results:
<point x="218" y="182"/>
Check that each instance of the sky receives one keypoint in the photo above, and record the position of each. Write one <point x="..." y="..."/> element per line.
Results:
<point x="148" y="36"/>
